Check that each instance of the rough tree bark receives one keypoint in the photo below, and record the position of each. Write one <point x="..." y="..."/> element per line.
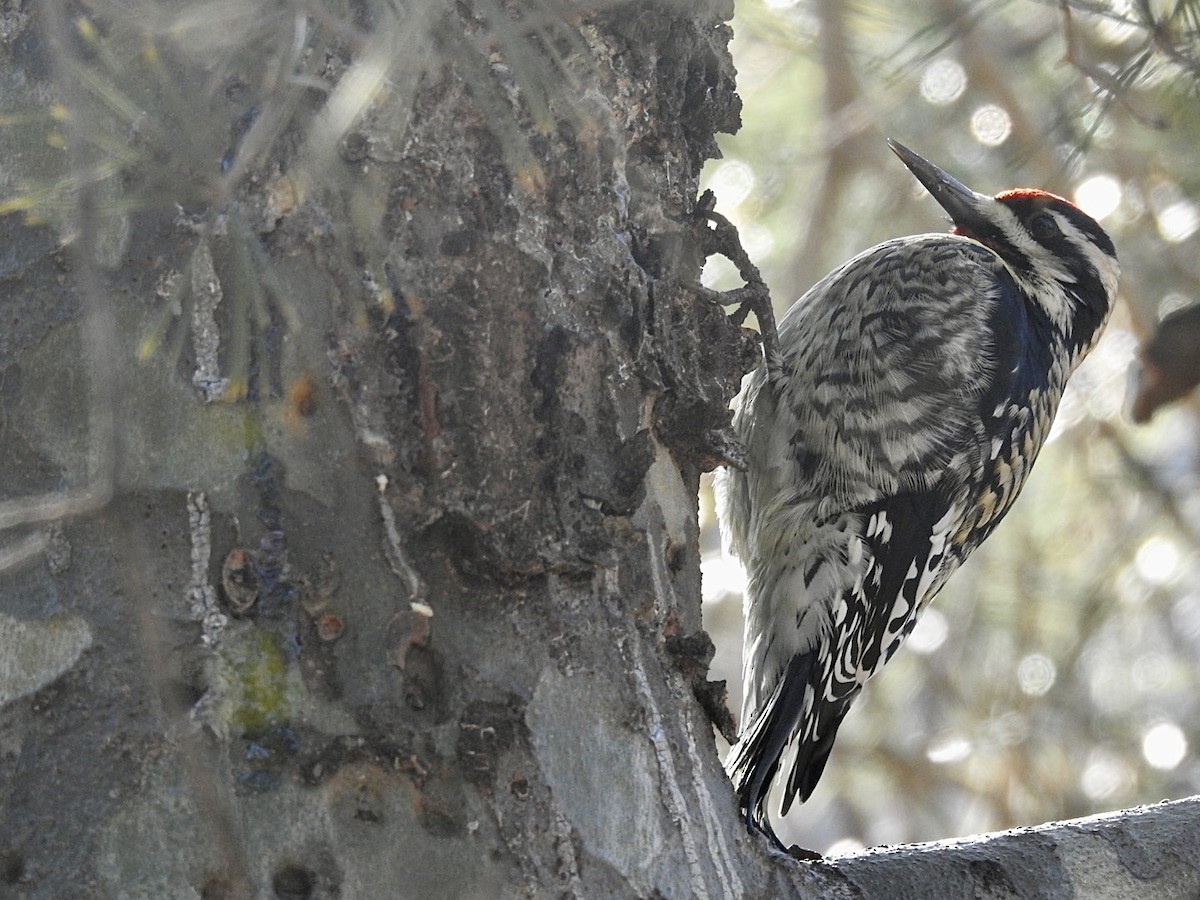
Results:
<point x="397" y="591"/>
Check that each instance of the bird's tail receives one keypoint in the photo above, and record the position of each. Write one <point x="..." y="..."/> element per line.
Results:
<point x="795" y="713"/>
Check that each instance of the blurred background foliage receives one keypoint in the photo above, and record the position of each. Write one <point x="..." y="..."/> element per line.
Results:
<point x="1056" y="675"/>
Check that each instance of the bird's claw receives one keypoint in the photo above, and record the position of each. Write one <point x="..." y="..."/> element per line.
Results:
<point x="719" y="236"/>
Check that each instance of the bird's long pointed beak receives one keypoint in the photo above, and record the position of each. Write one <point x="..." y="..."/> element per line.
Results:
<point x="956" y="198"/>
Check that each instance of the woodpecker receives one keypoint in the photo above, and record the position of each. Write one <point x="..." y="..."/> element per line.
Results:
<point x="888" y="431"/>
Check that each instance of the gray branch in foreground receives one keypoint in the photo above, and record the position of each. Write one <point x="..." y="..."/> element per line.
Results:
<point x="1149" y="851"/>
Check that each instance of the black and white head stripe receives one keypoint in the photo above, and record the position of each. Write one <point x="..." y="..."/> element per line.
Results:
<point x="1027" y="203"/>
<point x="1057" y="252"/>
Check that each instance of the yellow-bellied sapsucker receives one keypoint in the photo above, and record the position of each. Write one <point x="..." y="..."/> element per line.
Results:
<point x="888" y="432"/>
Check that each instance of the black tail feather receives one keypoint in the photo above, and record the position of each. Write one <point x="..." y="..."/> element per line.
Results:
<point x="755" y="760"/>
<point x="811" y="757"/>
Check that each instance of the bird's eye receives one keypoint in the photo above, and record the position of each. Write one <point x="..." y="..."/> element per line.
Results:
<point x="1042" y="226"/>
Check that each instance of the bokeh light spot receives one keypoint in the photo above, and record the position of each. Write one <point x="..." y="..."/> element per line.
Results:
<point x="949" y="749"/>
<point x="943" y="82"/>
<point x="1157" y="560"/>
<point x="1185" y="615"/>
<point x="929" y="633"/>
<point x="732" y="181"/>
<point x="1104" y="775"/>
<point x="991" y="125"/>
<point x="1179" y="221"/>
<point x="1164" y="745"/>
<point x="1099" y="196"/>
<point x="1036" y="674"/>
<point x="1151" y="673"/>
<point x="757" y="240"/>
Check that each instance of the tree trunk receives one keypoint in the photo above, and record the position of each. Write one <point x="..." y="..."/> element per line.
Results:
<point x="411" y="607"/>
<point x="386" y="345"/>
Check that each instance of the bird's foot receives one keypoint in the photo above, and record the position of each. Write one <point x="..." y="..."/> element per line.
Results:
<point x="718" y="236"/>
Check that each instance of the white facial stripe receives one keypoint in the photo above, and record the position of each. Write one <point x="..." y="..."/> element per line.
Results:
<point x="1048" y="276"/>
<point x="1048" y="290"/>
<point x="1107" y="267"/>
